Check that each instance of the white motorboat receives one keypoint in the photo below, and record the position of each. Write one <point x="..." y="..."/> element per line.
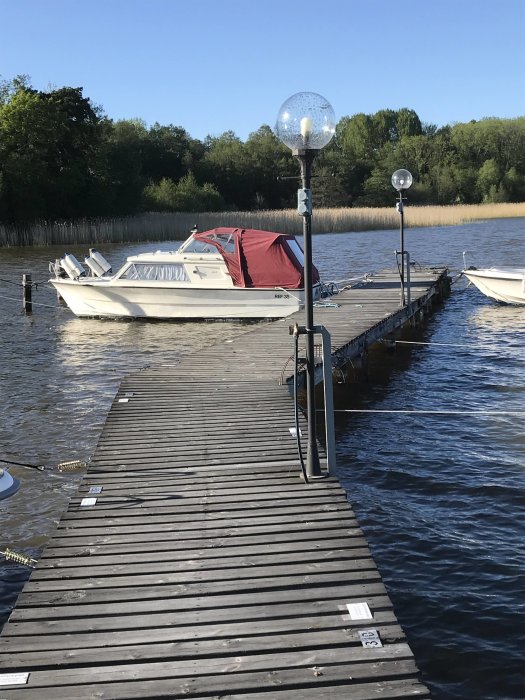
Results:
<point x="8" y="484"/>
<point x="224" y="273"/>
<point x="505" y="284"/>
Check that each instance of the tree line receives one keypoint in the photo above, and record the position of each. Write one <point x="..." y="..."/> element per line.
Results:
<point x="62" y="158"/>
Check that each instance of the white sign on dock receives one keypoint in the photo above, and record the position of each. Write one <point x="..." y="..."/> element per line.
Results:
<point x="359" y="611"/>
<point x="88" y="502"/>
<point x="14" y="678"/>
<point x="370" y="638"/>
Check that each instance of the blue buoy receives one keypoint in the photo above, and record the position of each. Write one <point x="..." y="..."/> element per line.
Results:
<point x="8" y="484"/>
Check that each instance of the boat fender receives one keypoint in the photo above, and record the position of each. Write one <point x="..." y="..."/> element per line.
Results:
<point x="71" y="265"/>
<point x="97" y="263"/>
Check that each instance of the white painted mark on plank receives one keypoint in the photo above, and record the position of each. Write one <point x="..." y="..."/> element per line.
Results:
<point x="293" y="432"/>
<point x="123" y="400"/>
<point x="370" y="638"/>
<point x="359" y="611"/>
<point x="88" y="502"/>
<point x="13" y="678"/>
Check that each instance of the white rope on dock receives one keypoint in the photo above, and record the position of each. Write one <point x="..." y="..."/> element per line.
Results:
<point x="349" y="283"/>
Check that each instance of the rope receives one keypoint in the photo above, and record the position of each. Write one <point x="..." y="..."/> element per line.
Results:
<point x="36" y="303"/>
<point x="326" y="305"/>
<point x="422" y="412"/>
<point x="450" y="345"/>
<point x="21" y="284"/>
<point x="18" y="284"/>
<point x="74" y="465"/>
<point x="352" y="281"/>
<point x="415" y="342"/>
<point x="40" y="467"/>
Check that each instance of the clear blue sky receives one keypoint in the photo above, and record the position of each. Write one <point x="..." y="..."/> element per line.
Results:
<point x="216" y="65"/>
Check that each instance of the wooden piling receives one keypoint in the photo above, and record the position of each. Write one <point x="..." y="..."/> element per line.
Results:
<point x="27" y="286"/>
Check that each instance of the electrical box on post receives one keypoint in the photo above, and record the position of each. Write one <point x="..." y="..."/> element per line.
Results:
<point x="304" y="202"/>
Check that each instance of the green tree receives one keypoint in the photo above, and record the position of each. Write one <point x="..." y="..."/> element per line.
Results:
<point x="8" y="88"/>
<point x="384" y="127"/>
<point x="365" y="149"/>
<point x="185" y="195"/>
<point x="377" y="188"/>
<point x="513" y="185"/>
<point x="24" y="134"/>
<point x="355" y="138"/>
<point x="170" y="152"/>
<point x="122" y="158"/>
<point x="332" y="178"/>
<point x="48" y="153"/>
<point x="160" y="196"/>
<point x="352" y="155"/>
<point x="226" y="165"/>
<point x="60" y="157"/>
<point x="488" y="180"/>
<point x="269" y="161"/>
<point x="191" y="196"/>
<point x="73" y="152"/>
<point x="408" y="123"/>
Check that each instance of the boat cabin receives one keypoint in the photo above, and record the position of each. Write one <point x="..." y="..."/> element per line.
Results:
<point x="253" y="258"/>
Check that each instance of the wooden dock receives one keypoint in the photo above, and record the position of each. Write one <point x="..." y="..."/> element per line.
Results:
<point x="203" y="566"/>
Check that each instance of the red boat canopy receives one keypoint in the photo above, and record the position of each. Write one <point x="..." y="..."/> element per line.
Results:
<point x="259" y="258"/>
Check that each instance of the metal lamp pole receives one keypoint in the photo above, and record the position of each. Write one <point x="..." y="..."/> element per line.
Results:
<point x="306" y="157"/>
<point x="401" y="180"/>
<point x="306" y="123"/>
<point x="402" y="244"/>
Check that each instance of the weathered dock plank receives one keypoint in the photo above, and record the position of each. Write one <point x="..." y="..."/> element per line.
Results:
<point x="206" y="567"/>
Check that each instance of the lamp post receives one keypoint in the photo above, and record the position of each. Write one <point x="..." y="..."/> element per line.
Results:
<point x="306" y="123"/>
<point x="401" y="180"/>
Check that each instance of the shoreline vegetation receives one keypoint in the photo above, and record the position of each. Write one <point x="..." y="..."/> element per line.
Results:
<point x="160" y="226"/>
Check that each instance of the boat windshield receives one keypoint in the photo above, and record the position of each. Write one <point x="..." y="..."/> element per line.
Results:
<point x="225" y="240"/>
<point x="163" y="272"/>
<point x="296" y="250"/>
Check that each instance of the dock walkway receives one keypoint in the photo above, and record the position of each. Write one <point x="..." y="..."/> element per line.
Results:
<point x="203" y="566"/>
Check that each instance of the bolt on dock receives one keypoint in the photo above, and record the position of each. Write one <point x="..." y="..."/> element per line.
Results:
<point x="194" y="562"/>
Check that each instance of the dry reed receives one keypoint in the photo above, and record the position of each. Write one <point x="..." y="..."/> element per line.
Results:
<point x="157" y="226"/>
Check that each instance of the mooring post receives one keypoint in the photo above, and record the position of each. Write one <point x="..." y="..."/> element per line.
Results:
<point x="27" y="287"/>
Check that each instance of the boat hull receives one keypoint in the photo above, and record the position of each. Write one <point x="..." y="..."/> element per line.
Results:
<point x="100" y="298"/>
<point x="504" y="284"/>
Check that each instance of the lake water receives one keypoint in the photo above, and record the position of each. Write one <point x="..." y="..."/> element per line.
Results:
<point x="441" y="497"/>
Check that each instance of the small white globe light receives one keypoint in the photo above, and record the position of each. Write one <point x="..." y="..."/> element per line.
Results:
<point x="306" y="121"/>
<point x="401" y="180"/>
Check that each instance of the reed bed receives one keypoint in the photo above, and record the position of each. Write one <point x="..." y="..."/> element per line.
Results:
<point x="156" y="226"/>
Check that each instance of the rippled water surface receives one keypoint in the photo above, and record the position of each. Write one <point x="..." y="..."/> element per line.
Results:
<point x="441" y="495"/>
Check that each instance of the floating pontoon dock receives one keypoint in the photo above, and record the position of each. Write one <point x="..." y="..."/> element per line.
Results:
<point x="194" y="561"/>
